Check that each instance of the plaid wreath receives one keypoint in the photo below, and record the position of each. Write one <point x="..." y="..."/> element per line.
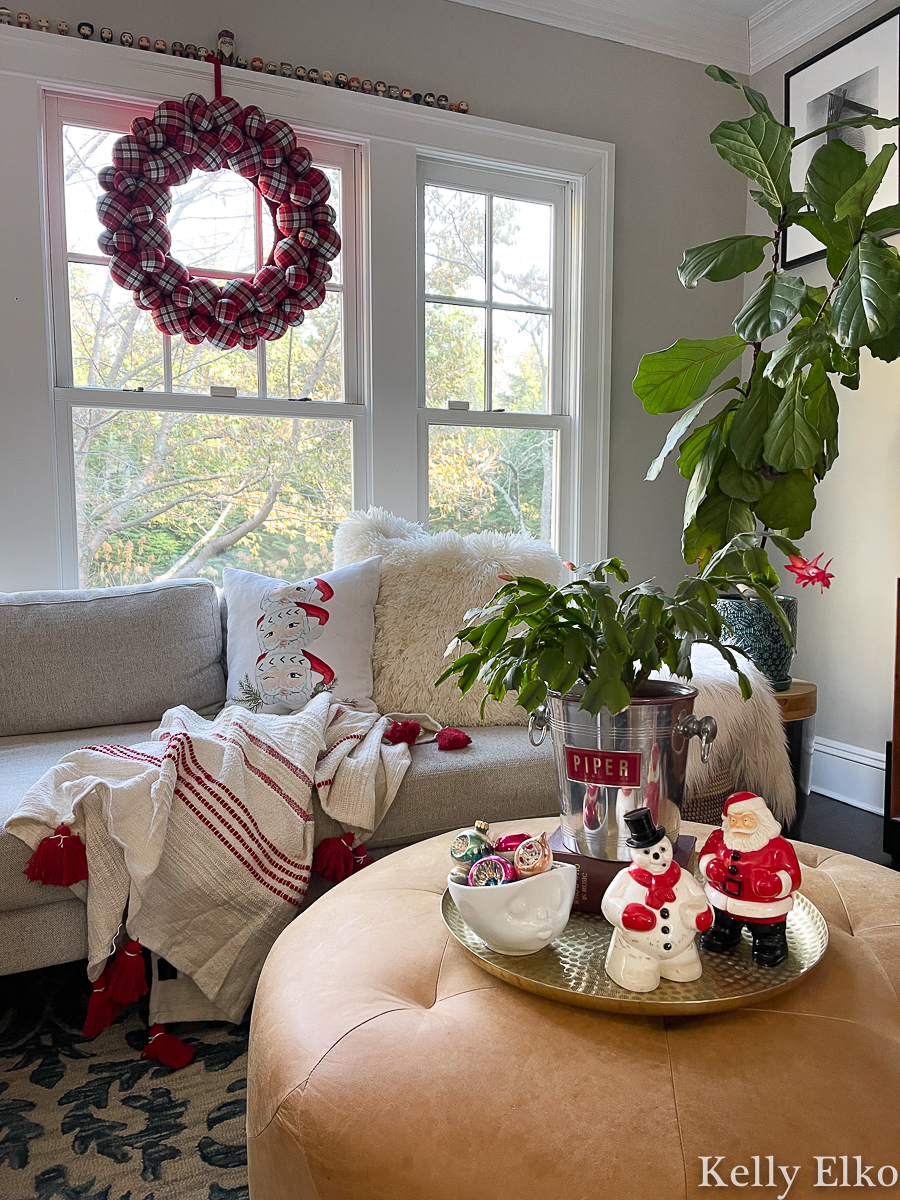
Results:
<point x="160" y="153"/>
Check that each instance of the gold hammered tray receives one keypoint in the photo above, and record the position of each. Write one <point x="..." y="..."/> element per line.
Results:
<point x="570" y="969"/>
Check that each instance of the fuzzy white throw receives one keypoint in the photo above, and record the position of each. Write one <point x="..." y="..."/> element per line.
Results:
<point x="206" y="832"/>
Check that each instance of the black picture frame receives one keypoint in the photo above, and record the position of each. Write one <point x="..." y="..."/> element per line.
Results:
<point x="787" y="260"/>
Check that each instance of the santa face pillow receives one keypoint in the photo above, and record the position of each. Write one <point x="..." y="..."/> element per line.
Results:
<point x="289" y="641"/>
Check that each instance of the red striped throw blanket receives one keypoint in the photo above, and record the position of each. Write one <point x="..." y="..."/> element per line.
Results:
<point x="205" y="835"/>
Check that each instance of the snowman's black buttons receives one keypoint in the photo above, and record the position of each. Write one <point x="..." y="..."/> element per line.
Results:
<point x="664" y="912"/>
<point x="665" y="929"/>
<point x="667" y="945"/>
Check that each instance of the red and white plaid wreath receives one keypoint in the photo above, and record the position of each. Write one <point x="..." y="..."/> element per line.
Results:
<point x="160" y="153"/>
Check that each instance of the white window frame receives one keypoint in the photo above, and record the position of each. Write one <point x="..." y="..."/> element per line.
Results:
<point x="60" y="110"/>
<point x="564" y="310"/>
<point x="391" y="140"/>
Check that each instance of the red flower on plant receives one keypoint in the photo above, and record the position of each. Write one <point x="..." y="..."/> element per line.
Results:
<point x="808" y="570"/>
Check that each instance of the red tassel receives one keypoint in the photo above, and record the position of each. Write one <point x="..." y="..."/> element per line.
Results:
<point x="452" y="739"/>
<point x="127" y="976"/>
<point x="403" y="731"/>
<point x="58" y="859"/>
<point x="167" y="1048"/>
<point x="333" y="858"/>
<point x="101" y="1010"/>
<point x="361" y="858"/>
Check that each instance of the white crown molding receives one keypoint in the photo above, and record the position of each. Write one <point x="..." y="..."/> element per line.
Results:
<point x="785" y="25"/>
<point x="689" y="31"/>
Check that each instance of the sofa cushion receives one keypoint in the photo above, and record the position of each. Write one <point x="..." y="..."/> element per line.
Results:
<point x="112" y="656"/>
<point x="23" y="760"/>
<point x="499" y="777"/>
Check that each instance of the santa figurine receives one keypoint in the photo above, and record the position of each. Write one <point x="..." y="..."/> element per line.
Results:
<point x="656" y="909"/>
<point x="751" y="873"/>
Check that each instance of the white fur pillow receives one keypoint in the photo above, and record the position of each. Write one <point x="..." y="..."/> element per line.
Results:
<point x="428" y="582"/>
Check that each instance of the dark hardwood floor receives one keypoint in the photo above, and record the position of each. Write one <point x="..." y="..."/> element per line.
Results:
<point x="841" y="827"/>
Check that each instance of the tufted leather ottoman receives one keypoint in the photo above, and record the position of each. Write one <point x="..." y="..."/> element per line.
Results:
<point x="384" y="1065"/>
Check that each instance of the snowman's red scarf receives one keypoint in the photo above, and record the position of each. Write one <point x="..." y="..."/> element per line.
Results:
<point x="660" y="888"/>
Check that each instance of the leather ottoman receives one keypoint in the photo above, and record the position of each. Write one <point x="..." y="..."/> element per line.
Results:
<point x="384" y="1065"/>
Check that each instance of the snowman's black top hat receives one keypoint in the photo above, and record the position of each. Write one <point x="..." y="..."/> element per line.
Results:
<point x="644" y="832"/>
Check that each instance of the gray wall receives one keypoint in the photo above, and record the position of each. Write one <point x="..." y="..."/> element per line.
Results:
<point x="672" y="190"/>
<point x="846" y="639"/>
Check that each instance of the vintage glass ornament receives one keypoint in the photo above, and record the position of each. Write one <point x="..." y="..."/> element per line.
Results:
<point x="491" y="871"/>
<point x="470" y="845"/>
<point x="533" y="857"/>
<point x="507" y="846"/>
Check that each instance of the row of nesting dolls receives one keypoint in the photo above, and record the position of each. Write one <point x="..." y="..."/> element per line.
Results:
<point x="226" y="55"/>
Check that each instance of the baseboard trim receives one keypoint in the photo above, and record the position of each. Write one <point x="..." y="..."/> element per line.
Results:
<point x="850" y="774"/>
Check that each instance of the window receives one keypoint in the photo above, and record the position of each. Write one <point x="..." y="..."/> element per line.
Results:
<point x="457" y="374"/>
<point x="167" y="487"/>
<point x="493" y="291"/>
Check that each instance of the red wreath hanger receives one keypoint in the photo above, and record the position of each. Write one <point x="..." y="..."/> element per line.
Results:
<point x="160" y="153"/>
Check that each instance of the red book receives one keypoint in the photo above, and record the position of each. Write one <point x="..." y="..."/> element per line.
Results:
<point x="596" y="874"/>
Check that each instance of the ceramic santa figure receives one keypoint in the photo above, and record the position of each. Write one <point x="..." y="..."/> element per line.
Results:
<point x="656" y="909"/>
<point x="752" y="873"/>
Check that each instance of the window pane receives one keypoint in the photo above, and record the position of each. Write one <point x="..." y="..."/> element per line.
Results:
<point x="164" y="495"/>
<point x="114" y="343"/>
<point x="501" y="479"/>
<point x="85" y="151"/>
<point x="454" y="355"/>
<point x="454" y="242"/>
<point x="334" y="178"/>
<point x="308" y="360"/>
<point x="194" y="368"/>
<point x="213" y="223"/>
<point x="521" y="347"/>
<point x="521" y="252"/>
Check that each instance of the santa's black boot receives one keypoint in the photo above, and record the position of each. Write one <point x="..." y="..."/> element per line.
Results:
<point x="769" y="943"/>
<point x="724" y="934"/>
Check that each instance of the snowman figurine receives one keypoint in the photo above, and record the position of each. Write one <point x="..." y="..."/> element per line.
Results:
<point x="656" y="909"/>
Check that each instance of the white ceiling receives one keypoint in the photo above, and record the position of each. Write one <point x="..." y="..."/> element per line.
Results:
<point x="739" y="35"/>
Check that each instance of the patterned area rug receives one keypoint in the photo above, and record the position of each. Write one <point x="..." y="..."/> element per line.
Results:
<point x="92" y="1120"/>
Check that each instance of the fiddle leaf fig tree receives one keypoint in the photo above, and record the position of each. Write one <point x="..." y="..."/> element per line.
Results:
<point x="753" y="467"/>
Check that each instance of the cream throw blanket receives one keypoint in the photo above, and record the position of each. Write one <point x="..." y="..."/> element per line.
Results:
<point x="206" y="833"/>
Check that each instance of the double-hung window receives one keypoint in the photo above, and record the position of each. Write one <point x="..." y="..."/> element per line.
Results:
<point x="163" y="479"/>
<point x="495" y="392"/>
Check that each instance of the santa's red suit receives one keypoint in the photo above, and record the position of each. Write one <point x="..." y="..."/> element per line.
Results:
<point x="753" y="884"/>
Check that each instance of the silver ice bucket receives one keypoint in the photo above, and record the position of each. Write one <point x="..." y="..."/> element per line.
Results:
<point x="608" y="765"/>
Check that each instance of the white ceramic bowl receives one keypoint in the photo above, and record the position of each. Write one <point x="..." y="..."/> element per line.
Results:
<point x="522" y="917"/>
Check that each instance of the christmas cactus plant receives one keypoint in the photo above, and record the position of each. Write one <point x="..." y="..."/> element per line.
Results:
<point x="753" y="468"/>
<point x="534" y="638"/>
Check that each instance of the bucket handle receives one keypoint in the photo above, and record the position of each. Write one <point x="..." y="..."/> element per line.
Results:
<point x="537" y="726"/>
<point x="704" y="728"/>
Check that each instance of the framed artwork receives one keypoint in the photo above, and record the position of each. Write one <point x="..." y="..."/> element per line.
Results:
<point x="859" y="76"/>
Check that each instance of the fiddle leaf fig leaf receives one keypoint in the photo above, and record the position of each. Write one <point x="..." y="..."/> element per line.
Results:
<point x="866" y="305"/>
<point x="805" y="344"/>
<point x="671" y="379"/>
<point x="772" y="306"/>
<point x="755" y="99"/>
<point x="719" y="518"/>
<point x="854" y="204"/>
<point x="739" y="483"/>
<point x="789" y="503"/>
<point x="821" y="411"/>
<point x="760" y="148"/>
<point x="693" y="448"/>
<point x="886" y="348"/>
<point x="873" y="122"/>
<point x="752" y="419"/>
<point x="833" y="170"/>
<point x="724" y="259"/>
<point x="774" y="210"/>
<point x="682" y="425"/>
<point x="884" y="218"/>
<point x="790" y="442"/>
<point x="704" y="473"/>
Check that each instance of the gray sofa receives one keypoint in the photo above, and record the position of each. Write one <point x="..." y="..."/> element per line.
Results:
<point x="82" y="667"/>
